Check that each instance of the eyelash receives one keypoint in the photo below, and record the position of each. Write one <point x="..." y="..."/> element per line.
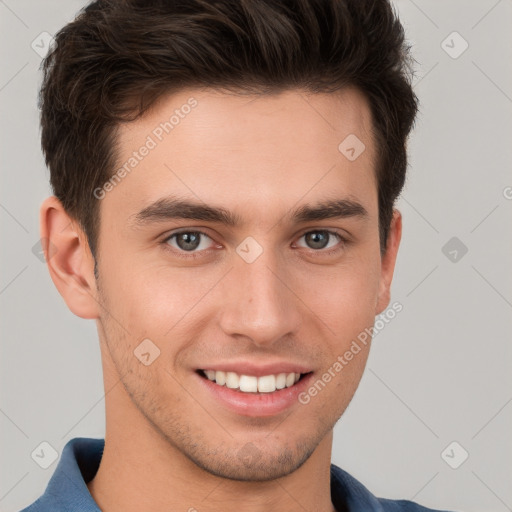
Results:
<point x="196" y="254"/>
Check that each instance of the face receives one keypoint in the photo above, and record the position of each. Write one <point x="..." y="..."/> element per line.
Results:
<point x="242" y="246"/>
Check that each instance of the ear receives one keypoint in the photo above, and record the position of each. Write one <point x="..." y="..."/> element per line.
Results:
<point x="388" y="262"/>
<point x="69" y="259"/>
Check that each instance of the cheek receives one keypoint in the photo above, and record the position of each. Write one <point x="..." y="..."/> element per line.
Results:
<point x="345" y="298"/>
<point x="157" y="300"/>
<point x="150" y="298"/>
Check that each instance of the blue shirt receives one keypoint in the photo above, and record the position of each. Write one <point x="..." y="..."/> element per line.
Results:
<point x="67" y="490"/>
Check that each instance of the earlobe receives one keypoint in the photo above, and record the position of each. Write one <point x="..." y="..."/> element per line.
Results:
<point x="69" y="259"/>
<point x="388" y="261"/>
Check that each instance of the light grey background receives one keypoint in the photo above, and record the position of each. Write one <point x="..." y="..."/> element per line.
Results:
<point x="438" y="373"/>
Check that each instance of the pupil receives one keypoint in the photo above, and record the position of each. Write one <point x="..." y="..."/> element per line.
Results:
<point x="317" y="239"/>
<point x="188" y="241"/>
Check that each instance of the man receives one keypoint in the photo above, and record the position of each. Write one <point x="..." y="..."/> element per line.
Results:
<point x="225" y="176"/>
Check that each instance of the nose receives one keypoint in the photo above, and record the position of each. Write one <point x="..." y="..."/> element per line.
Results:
<point x="258" y="301"/>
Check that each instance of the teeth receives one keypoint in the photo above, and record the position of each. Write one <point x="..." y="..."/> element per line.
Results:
<point x="210" y="374"/>
<point x="251" y="384"/>
<point x="266" y="384"/>
<point x="290" y="379"/>
<point x="248" y="384"/>
<point x="281" y="381"/>
<point x="232" y="380"/>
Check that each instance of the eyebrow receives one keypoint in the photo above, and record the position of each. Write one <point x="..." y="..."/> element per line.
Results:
<point x="169" y="208"/>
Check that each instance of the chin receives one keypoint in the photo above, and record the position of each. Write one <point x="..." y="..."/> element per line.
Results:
<point x="252" y="462"/>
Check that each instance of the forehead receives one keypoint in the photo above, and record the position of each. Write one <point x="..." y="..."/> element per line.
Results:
<point x="246" y="150"/>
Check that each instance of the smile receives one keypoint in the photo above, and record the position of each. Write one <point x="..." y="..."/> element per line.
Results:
<point x="250" y="383"/>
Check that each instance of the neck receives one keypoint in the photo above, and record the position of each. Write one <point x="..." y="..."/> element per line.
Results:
<point x="141" y="470"/>
<point x="133" y="477"/>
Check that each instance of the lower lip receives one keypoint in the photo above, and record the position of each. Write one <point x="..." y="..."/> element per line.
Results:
<point x="256" y="404"/>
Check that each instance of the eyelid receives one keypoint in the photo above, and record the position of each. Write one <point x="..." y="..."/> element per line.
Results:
<point x="343" y="239"/>
<point x="189" y="230"/>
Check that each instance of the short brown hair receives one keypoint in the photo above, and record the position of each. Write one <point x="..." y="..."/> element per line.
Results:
<point x="119" y="56"/>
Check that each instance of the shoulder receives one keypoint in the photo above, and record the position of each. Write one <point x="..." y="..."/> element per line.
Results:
<point x="67" y="489"/>
<point x="350" y="494"/>
<point x="404" y="506"/>
<point x="40" y="505"/>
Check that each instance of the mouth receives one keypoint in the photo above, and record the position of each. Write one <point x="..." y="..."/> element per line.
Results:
<point x="252" y="384"/>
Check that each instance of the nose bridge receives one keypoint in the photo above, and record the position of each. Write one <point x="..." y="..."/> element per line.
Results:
<point x="258" y="305"/>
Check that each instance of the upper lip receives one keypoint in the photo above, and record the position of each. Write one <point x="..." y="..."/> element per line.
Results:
<point x="257" y="370"/>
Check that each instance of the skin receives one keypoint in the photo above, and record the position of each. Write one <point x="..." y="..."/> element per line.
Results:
<point x="168" y="444"/>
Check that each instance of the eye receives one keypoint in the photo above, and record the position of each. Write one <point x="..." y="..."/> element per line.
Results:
<point x="321" y="239"/>
<point x="188" y="241"/>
